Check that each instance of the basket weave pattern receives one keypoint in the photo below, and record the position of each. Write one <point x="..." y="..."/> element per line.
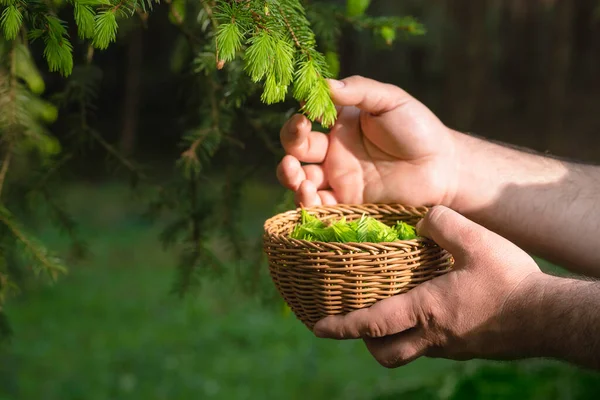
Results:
<point x="318" y="279"/>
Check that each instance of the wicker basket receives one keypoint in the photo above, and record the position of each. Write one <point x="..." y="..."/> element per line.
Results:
<point x="318" y="279"/>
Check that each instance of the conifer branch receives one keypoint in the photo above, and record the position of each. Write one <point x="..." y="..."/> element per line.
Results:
<point x="179" y="23"/>
<point x="53" y="267"/>
<point x="117" y="155"/>
<point x="5" y="165"/>
<point x="12" y="116"/>
<point x="208" y="8"/>
<point x="292" y="32"/>
<point x="190" y="152"/>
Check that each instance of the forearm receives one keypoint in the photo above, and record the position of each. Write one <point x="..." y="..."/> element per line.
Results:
<point x="546" y="206"/>
<point x="564" y="322"/>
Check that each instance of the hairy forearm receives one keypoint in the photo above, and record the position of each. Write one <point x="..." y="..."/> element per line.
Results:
<point x="564" y="321"/>
<point x="547" y="206"/>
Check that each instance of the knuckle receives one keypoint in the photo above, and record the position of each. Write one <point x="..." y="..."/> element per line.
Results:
<point x="373" y="330"/>
<point x="431" y="308"/>
<point x="378" y="101"/>
<point x="352" y="79"/>
<point x="431" y="312"/>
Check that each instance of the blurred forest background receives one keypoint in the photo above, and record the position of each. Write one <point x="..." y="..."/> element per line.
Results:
<point x="524" y="72"/>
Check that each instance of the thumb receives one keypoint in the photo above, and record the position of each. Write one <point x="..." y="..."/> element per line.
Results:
<point x="451" y="231"/>
<point x="368" y="95"/>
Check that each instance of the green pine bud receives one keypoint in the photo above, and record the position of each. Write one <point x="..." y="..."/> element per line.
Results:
<point x="388" y="34"/>
<point x="356" y="8"/>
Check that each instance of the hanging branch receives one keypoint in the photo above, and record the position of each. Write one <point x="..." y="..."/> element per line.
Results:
<point x="12" y="116"/>
<point x="5" y="165"/>
<point x="51" y="265"/>
<point x="273" y="39"/>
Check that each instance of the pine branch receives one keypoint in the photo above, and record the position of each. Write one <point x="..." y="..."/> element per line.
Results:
<point x="12" y="117"/>
<point x="208" y="8"/>
<point x="13" y="88"/>
<point x="134" y="169"/>
<point x="52" y="266"/>
<point x="5" y="165"/>
<point x="105" y="28"/>
<point x="85" y="19"/>
<point x="11" y="21"/>
<point x="58" y="50"/>
<point x="280" y="43"/>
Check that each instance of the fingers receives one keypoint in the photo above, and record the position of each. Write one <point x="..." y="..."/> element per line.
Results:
<point x="450" y="230"/>
<point x="291" y="174"/>
<point x="316" y="175"/>
<point x="399" y="349"/>
<point x="386" y="317"/>
<point x="308" y="195"/>
<point x="300" y="141"/>
<point x="367" y="94"/>
<point x="309" y="182"/>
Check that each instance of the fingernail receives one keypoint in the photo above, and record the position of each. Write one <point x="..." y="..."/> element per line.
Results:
<point x="335" y="84"/>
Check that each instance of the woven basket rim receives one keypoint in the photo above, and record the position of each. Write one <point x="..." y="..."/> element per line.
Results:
<point x="415" y="211"/>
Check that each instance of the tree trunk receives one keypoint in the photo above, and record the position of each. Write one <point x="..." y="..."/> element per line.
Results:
<point x="520" y="53"/>
<point x="467" y="61"/>
<point x="132" y="92"/>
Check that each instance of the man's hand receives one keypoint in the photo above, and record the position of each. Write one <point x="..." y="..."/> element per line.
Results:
<point x="484" y="308"/>
<point x="385" y="147"/>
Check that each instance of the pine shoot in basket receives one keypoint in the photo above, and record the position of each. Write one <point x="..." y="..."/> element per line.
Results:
<point x="366" y="229"/>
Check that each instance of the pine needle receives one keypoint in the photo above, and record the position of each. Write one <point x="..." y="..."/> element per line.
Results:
<point x="11" y="20"/>
<point x="229" y="40"/>
<point x="105" y="29"/>
<point x="84" y="18"/>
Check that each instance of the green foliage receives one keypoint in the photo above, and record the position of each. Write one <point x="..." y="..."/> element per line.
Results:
<point x="11" y="21"/>
<point x="24" y="115"/>
<point x="243" y="68"/>
<point x="230" y="38"/>
<point x="365" y="229"/>
<point x="35" y="254"/>
<point x="26" y="69"/>
<point x="59" y="50"/>
<point x="279" y="42"/>
<point x="84" y="18"/>
<point x="96" y="20"/>
<point x="355" y="8"/>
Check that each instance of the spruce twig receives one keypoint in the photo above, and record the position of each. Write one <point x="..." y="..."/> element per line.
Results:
<point x="12" y="116"/>
<point x="5" y="165"/>
<point x="292" y="33"/>
<point x="117" y="155"/>
<point x="52" y="267"/>
<point x="208" y="8"/>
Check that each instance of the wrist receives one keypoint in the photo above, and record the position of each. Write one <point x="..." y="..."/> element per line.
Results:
<point x="522" y="319"/>
<point x="471" y="188"/>
<point x="486" y="171"/>
<point x="561" y="318"/>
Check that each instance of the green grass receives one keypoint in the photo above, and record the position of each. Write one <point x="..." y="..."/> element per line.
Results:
<point x="111" y="330"/>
